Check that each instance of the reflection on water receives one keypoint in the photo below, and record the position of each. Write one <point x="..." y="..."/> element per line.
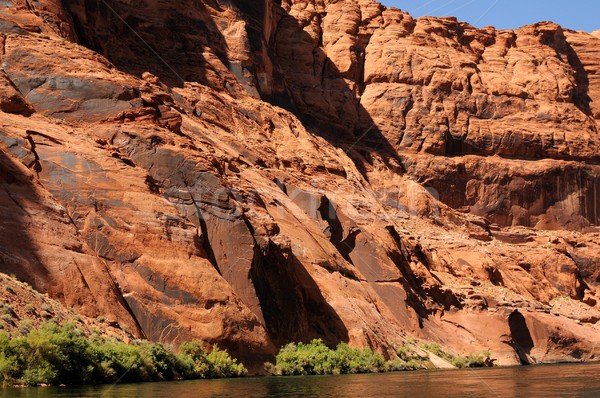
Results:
<point x="531" y="382"/>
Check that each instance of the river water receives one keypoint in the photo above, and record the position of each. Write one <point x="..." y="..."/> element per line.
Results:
<point x="581" y="380"/>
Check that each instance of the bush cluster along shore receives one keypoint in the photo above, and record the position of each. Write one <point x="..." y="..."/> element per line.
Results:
<point x="315" y="358"/>
<point x="63" y="355"/>
<point x="57" y="355"/>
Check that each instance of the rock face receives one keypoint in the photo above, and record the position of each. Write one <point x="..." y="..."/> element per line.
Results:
<point x="254" y="174"/>
<point x="431" y="90"/>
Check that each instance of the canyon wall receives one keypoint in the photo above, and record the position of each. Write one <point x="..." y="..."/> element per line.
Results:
<point x="252" y="174"/>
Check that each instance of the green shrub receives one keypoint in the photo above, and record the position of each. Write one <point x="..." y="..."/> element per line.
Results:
<point x="194" y="360"/>
<point x="164" y="362"/>
<point x="435" y="348"/>
<point x="220" y="364"/>
<point x="409" y="359"/>
<point x="351" y="360"/>
<point x="196" y="363"/>
<point x="8" y="369"/>
<point x="477" y="361"/>
<point x="9" y="366"/>
<point x="458" y="362"/>
<point x="407" y="353"/>
<point x="41" y="374"/>
<point x="398" y="365"/>
<point x="315" y="358"/>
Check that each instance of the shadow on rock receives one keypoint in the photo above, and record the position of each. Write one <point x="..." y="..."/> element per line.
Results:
<point x="293" y="306"/>
<point x="176" y="44"/>
<point x="324" y="100"/>
<point x="18" y="254"/>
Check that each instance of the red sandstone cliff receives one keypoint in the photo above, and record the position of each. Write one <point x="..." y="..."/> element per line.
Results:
<point x="257" y="173"/>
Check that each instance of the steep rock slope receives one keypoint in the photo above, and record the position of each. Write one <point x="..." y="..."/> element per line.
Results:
<point x="427" y="179"/>
<point x="24" y="309"/>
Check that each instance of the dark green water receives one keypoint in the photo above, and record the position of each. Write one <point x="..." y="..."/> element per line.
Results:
<point x="528" y="382"/>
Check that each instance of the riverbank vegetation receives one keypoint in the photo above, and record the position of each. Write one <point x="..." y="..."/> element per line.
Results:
<point x="315" y="358"/>
<point x="65" y="355"/>
<point x="56" y="355"/>
<point x="482" y="360"/>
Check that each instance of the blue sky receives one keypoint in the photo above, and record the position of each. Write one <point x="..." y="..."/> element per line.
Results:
<point x="509" y="14"/>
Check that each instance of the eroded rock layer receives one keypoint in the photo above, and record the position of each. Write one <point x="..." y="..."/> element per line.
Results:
<point x="255" y="173"/>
